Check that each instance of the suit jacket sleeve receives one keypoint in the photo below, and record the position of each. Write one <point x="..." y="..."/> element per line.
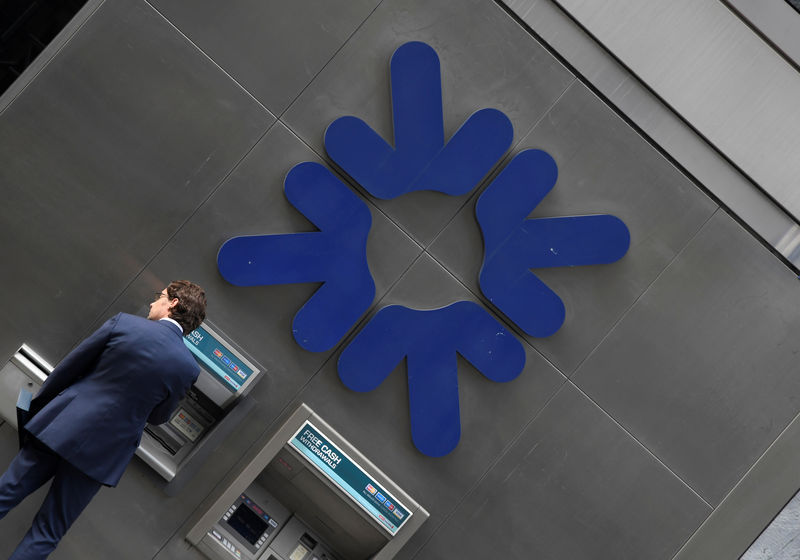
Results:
<point x="164" y="409"/>
<point x="75" y="365"/>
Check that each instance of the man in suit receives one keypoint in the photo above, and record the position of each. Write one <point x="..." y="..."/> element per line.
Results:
<point x="87" y="419"/>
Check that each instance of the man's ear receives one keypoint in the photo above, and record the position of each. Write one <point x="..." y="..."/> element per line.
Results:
<point x="173" y="303"/>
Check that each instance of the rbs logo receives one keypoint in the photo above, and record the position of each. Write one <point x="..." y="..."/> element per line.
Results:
<point x="336" y="255"/>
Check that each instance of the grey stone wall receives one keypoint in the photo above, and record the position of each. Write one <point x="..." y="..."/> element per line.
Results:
<point x="161" y="129"/>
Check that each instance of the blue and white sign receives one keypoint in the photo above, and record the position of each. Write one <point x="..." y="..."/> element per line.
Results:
<point x="351" y="478"/>
<point x="225" y="364"/>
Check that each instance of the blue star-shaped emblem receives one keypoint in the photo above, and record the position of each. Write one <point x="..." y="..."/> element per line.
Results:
<point x="336" y="255"/>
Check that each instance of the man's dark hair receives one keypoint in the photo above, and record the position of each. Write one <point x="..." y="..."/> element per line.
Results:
<point x="191" y="308"/>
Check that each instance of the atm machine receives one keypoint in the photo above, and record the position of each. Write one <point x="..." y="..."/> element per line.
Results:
<point x="211" y="409"/>
<point x="213" y="406"/>
<point x="307" y="494"/>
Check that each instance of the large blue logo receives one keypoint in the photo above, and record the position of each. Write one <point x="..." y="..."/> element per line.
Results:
<point x="420" y="159"/>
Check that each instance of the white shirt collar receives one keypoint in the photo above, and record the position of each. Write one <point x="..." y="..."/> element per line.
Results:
<point x="173" y="321"/>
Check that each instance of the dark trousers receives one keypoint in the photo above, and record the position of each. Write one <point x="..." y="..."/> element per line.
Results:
<point x="69" y="494"/>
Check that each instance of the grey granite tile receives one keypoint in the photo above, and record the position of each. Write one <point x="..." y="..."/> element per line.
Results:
<point x="573" y="485"/>
<point x="272" y="48"/>
<point x="702" y="370"/>
<point x="102" y="157"/>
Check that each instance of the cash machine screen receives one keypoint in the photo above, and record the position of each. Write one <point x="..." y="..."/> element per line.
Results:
<point x="248" y="524"/>
<point x="218" y="359"/>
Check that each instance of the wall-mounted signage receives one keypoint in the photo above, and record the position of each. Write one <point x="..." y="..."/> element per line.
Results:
<point x="227" y="366"/>
<point x="350" y="478"/>
<point x="419" y="157"/>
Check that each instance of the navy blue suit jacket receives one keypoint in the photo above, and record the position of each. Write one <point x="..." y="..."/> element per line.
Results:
<point x="94" y="405"/>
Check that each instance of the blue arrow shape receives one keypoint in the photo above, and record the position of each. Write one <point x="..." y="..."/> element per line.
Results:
<point x="430" y="340"/>
<point x="336" y="255"/>
<point x="420" y="159"/>
<point x="513" y="244"/>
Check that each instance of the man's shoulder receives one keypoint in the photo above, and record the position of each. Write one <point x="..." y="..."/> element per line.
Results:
<point x="156" y="334"/>
<point x="126" y="320"/>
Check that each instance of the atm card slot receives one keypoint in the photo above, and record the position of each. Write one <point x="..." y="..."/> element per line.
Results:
<point x="207" y="409"/>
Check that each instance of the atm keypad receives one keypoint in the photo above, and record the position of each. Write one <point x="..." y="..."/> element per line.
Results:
<point x="227" y="544"/>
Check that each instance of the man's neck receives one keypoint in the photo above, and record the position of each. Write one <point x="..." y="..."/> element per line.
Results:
<point x="173" y="321"/>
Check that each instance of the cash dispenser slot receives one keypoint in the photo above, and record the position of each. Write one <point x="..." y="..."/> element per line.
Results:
<point x="325" y="499"/>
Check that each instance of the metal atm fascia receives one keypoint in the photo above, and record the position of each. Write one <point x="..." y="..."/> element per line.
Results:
<point x="219" y="390"/>
<point x="201" y="536"/>
<point x="25" y="370"/>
